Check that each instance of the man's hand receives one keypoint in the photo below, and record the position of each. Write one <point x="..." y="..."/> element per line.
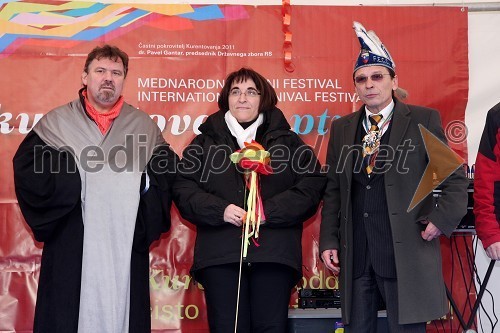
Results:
<point x="331" y="260"/>
<point x="493" y="251"/>
<point x="430" y="232"/>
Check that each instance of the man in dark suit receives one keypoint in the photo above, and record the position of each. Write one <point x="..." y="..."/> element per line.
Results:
<point x="383" y="250"/>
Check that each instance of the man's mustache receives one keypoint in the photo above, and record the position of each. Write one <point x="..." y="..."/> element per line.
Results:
<point x="108" y="86"/>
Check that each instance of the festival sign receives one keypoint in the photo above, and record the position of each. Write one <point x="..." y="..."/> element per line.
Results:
<point x="179" y="57"/>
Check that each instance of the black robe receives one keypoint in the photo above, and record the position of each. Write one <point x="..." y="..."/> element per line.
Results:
<point x="51" y="204"/>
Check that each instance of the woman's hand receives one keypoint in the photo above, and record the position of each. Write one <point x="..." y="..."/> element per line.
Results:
<point x="234" y="215"/>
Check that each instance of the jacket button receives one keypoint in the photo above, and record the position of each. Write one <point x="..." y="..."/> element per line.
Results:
<point x="365" y="215"/>
<point x="368" y="187"/>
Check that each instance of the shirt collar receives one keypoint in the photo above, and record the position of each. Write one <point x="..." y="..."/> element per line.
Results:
<point x="385" y="112"/>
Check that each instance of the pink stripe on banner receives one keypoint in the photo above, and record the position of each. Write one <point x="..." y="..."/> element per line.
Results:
<point x="236" y="12"/>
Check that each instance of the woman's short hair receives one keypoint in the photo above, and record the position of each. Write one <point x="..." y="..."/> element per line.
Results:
<point x="268" y="97"/>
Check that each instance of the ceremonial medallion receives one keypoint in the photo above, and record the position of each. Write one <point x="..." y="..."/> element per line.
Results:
<point x="371" y="142"/>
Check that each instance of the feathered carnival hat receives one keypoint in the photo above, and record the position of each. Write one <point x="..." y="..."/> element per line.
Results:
<point x="373" y="52"/>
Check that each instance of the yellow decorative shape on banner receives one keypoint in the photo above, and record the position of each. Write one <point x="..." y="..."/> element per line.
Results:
<point x="13" y="8"/>
<point x="108" y="20"/>
<point x="63" y="31"/>
<point x="104" y="17"/>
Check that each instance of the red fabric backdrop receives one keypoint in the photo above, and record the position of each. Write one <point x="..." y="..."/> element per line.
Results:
<point x="178" y="89"/>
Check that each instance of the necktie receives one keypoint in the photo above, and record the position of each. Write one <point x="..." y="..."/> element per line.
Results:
<point x="371" y="142"/>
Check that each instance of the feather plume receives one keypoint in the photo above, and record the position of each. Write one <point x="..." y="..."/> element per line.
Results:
<point x="370" y="41"/>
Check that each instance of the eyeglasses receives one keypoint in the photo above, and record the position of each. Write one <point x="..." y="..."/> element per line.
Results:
<point x="249" y="93"/>
<point x="374" y="77"/>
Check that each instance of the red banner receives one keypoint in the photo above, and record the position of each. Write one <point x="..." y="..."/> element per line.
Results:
<point x="180" y="55"/>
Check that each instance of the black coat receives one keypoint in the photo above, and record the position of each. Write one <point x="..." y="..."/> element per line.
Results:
<point x="421" y="288"/>
<point x="207" y="182"/>
<point x="51" y="205"/>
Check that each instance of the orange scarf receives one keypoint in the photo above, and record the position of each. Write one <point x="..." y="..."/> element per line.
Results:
<point x="103" y="120"/>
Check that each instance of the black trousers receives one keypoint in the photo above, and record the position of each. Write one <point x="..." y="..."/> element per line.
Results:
<point x="264" y="297"/>
<point x="368" y="292"/>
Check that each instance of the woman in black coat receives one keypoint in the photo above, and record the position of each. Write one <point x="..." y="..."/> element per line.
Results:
<point x="210" y="192"/>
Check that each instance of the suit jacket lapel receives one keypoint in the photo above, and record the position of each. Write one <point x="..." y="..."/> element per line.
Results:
<point x="349" y="139"/>
<point x="400" y="121"/>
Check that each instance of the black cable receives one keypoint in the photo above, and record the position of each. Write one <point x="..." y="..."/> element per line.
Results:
<point x="478" y="279"/>
<point x="444" y="328"/>
<point x="440" y="321"/>
<point x="467" y="284"/>
<point x="452" y="275"/>
<point x="472" y="285"/>
<point x="488" y="316"/>
<point x="462" y="323"/>
<point x="435" y="325"/>
<point x="480" y="305"/>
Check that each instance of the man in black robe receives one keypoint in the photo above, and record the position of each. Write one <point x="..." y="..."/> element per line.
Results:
<point x="93" y="181"/>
